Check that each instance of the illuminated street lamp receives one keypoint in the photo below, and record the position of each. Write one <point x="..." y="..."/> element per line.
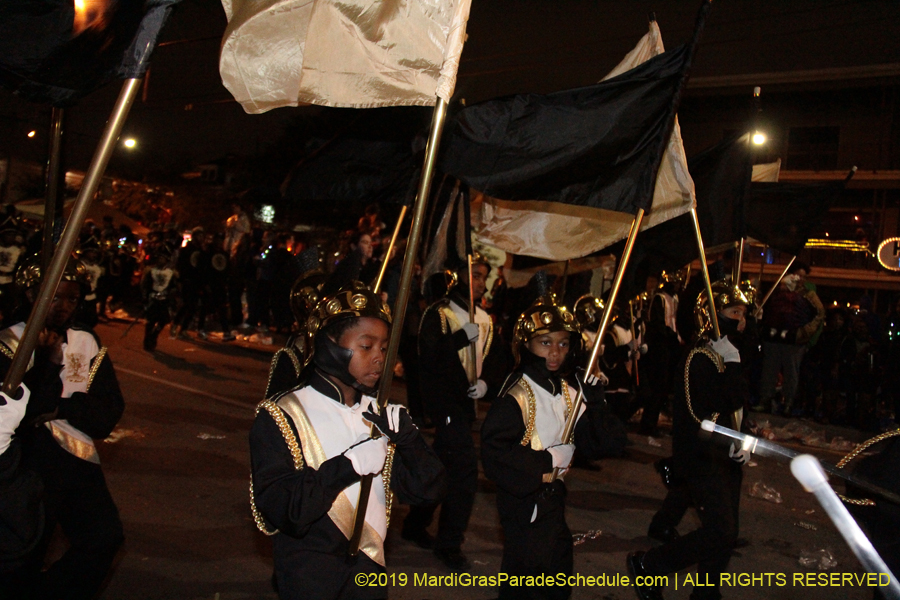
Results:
<point x="130" y="143"/>
<point x="759" y="138"/>
<point x="32" y="133"/>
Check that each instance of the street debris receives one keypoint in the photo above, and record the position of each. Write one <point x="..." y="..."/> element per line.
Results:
<point x="580" y="538"/>
<point x="761" y="490"/>
<point x="119" y="434"/>
<point x="803" y="433"/>
<point x="821" y="559"/>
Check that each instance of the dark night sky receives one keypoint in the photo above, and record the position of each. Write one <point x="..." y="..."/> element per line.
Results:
<point x="514" y="46"/>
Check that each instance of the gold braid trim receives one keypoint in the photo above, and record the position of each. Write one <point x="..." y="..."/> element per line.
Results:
<point x="290" y="353"/>
<point x="565" y="387"/>
<point x="720" y="365"/>
<point x="386" y="482"/>
<point x="96" y="366"/>
<point x="529" y="427"/>
<point x="297" y="454"/>
<point x="490" y="338"/>
<point x="6" y="351"/>
<point x="856" y="452"/>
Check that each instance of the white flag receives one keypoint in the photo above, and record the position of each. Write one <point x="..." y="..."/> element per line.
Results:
<point x="350" y="53"/>
<point x="767" y="172"/>
<point x="558" y="231"/>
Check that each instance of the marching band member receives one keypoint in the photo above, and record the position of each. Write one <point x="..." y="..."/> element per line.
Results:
<point x="450" y="398"/>
<point x="75" y="399"/>
<point x="310" y="447"/>
<point x="706" y="474"/>
<point x="521" y="444"/>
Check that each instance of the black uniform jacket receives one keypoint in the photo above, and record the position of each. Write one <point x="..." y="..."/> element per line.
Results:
<point x="711" y="391"/>
<point x="310" y="551"/>
<point x="35" y="461"/>
<point x="94" y="412"/>
<point x="518" y="470"/>
<point x="443" y="379"/>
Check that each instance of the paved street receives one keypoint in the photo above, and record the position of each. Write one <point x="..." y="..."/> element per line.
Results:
<point x="179" y="467"/>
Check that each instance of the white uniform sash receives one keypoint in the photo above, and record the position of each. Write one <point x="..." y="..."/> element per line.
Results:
<point x="340" y="425"/>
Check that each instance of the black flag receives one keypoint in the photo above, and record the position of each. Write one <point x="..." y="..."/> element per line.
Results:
<point x="58" y="51"/>
<point x="596" y="146"/>
<point x="721" y="177"/>
<point x="784" y="215"/>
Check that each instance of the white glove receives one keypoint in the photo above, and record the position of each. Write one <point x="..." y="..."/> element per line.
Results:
<point x="11" y="414"/>
<point x="367" y="455"/>
<point x="726" y="349"/>
<point x="601" y="379"/>
<point x="739" y="456"/>
<point x="642" y="348"/>
<point x="471" y="330"/>
<point x="478" y="390"/>
<point x="562" y="455"/>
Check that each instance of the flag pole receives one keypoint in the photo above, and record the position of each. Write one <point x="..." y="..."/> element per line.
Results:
<point x="390" y="248"/>
<point x="637" y="377"/>
<point x="51" y="200"/>
<point x="473" y="368"/>
<point x="409" y="259"/>
<point x="472" y="373"/>
<point x="604" y="324"/>
<point x="738" y="263"/>
<point x="713" y="318"/>
<point x="774" y="286"/>
<point x="53" y="275"/>
<point x="635" y="228"/>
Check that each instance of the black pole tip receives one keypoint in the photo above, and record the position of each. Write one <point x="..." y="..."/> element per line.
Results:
<point x="652" y="17"/>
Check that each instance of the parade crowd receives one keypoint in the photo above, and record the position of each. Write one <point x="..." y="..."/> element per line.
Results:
<point x="482" y="361"/>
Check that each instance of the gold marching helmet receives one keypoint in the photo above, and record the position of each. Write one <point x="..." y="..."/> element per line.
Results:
<point x="306" y="293"/>
<point x="31" y="274"/>
<point x="542" y="317"/>
<point x="451" y="279"/>
<point x="676" y="278"/>
<point x="480" y="259"/>
<point x="749" y="290"/>
<point x="352" y="300"/>
<point x="725" y="294"/>
<point x="588" y="311"/>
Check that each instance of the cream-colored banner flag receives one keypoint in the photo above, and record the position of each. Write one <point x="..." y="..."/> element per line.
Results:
<point x="350" y="53"/>
<point x="557" y="231"/>
<point x="767" y="172"/>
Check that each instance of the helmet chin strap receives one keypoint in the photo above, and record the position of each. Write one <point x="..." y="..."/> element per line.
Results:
<point x="727" y="325"/>
<point x="335" y="361"/>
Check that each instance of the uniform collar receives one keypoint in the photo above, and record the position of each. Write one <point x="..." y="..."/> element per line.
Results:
<point x="541" y="376"/>
<point x="322" y="384"/>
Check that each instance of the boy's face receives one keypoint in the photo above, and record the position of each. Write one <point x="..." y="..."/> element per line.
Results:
<point x="552" y="347"/>
<point x="63" y="305"/>
<point x="479" y="280"/>
<point x="368" y="340"/>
